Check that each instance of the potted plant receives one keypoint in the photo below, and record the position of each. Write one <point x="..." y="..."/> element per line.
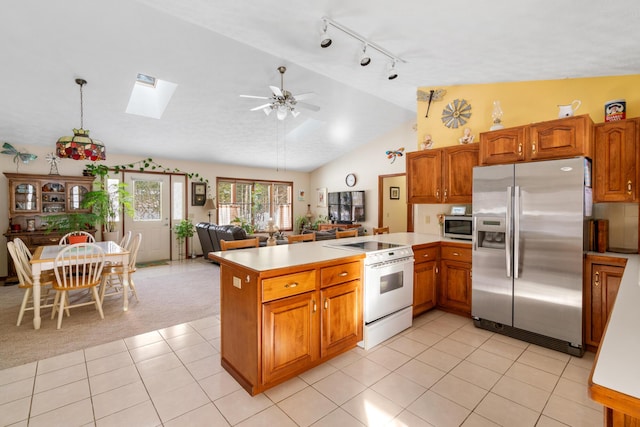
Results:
<point x="242" y="223"/>
<point x="184" y="230"/>
<point x="107" y="201"/>
<point x="66" y="223"/>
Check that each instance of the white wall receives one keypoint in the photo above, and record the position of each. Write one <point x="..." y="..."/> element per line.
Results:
<point x="366" y="163"/>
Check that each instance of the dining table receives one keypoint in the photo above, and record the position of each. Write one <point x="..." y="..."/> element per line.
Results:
<point x="44" y="257"/>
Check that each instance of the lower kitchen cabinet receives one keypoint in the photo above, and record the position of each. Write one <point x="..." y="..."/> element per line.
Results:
<point x="602" y="280"/>
<point x="278" y="323"/>
<point x="455" y="278"/>
<point x="425" y="277"/>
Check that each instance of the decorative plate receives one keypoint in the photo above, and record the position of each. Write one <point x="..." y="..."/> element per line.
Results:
<point x="456" y="113"/>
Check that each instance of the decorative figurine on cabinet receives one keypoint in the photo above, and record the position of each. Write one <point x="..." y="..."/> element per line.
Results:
<point x="427" y="143"/>
<point x="467" y="137"/>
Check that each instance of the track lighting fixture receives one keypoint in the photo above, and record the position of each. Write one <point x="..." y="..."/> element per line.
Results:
<point x="393" y="73"/>
<point x="325" y="38"/>
<point x="365" y="58"/>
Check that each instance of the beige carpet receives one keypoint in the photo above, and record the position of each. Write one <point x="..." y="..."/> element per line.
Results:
<point x="169" y="295"/>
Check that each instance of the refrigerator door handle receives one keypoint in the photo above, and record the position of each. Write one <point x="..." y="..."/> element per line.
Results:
<point x="516" y="232"/>
<point x="508" y="231"/>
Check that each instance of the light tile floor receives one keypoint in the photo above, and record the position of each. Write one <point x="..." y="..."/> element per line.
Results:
<point x="441" y="372"/>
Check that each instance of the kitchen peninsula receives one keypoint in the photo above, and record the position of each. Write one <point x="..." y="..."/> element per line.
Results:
<point x="288" y="308"/>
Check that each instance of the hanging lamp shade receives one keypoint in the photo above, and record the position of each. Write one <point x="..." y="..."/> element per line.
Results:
<point x="80" y="146"/>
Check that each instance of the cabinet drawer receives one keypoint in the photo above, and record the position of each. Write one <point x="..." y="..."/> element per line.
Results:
<point x="288" y="285"/>
<point x="339" y="274"/>
<point x="425" y="254"/>
<point x="45" y="240"/>
<point x="456" y="253"/>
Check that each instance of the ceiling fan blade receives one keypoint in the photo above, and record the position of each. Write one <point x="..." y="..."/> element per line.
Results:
<point x="276" y="91"/>
<point x="254" y="97"/>
<point x="303" y="96"/>
<point x="308" y="106"/>
<point x="261" y="107"/>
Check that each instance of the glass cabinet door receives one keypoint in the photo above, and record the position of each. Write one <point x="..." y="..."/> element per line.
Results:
<point x="53" y="197"/>
<point x="75" y="196"/>
<point x="24" y="197"/>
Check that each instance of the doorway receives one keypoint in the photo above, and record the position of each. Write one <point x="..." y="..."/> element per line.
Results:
<point x="159" y="201"/>
<point x="392" y="202"/>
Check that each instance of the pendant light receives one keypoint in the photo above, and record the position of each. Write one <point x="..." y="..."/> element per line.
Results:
<point x="80" y="146"/>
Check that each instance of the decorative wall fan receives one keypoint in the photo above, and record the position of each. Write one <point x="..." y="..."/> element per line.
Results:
<point x="456" y="113"/>
<point x="282" y="101"/>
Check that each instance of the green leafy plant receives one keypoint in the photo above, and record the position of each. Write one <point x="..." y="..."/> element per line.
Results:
<point x="301" y="223"/>
<point x="241" y="222"/>
<point x="184" y="229"/>
<point x="321" y="219"/>
<point x="66" y="223"/>
<point x="107" y="201"/>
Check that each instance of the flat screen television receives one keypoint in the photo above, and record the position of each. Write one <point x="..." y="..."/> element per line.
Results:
<point x="346" y="207"/>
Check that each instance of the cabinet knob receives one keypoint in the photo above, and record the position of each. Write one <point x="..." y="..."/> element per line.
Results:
<point x="596" y="282"/>
<point x="315" y="307"/>
<point x="437" y="193"/>
<point x="456" y="254"/>
<point x="326" y="303"/>
<point x="343" y="274"/>
<point x="291" y="285"/>
<point x="520" y="148"/>
<point x="629" y="187"/>
<point x="533" y="146"/>
<point x="445" y="194"/>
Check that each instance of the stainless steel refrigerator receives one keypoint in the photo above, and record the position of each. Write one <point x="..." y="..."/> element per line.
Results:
<point x="529" y="240"/>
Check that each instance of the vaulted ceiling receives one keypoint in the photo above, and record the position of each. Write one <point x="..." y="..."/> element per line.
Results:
<point x="215" y="50"/>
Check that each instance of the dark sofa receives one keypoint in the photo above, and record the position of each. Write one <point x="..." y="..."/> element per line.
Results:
<point x="211" y="234"/>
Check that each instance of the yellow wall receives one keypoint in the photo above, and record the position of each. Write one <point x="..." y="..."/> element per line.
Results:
<point x="525" y="102"/>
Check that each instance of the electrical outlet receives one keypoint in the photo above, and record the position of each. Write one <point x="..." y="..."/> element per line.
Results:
<point x="237" y="282"/>
<point x="427" y="219"/>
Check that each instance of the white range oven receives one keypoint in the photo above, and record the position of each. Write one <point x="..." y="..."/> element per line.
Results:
<point x="388" y="289"/>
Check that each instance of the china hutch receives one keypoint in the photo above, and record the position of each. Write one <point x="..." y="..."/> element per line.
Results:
<point x="33" y="198"/>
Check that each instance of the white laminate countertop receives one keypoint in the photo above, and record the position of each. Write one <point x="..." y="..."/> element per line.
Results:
<point x="283" y="256"/>
<point x="618" y="364"/>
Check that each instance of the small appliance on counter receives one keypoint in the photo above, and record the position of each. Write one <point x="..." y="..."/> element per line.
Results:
<point x="458" y="224"/>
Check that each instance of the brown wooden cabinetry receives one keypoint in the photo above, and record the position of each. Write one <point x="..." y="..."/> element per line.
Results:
<point x="602" y="279"/>
<point x="554" y="139"/>
<point x="455" y="278"/>
<point x="617" y="155"/>
<point x="443" y="175"/>
<point x="425" y="277"/>
<point x="279" y="323"/>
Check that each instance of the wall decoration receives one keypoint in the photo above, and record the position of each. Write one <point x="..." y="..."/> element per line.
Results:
<point x="392" y="154"/>
<point x="198" y="193"/>
<point x="321" y="197"/>
<point x="394" y="193"/>
<point x="432" y="95"/>
<point x="456" y="113"/>
<point x="301" y="195"/>
<point x="427" y="143"/>
<point x="17" y="155"/>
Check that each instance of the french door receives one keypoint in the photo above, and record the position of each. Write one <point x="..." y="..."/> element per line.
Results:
<point x="158" y="202"/>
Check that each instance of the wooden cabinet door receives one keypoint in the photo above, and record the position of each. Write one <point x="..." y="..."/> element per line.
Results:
<point x="424" y="176"/>
<point x="425" y="283"/>
<point x="458" y="166"/>
<point x="615" y="160"/>
<point x="24" y="197"/>
<point x="341" y="326"/>
<point x="503" y="146"/>
<point x="600" y="296"/>
<point x="455" y="286"/>
<point x="568" y="137"/>
<point x="290" y="330"/>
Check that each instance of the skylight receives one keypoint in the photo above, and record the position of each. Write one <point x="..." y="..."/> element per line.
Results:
<point x="150" y="96"/>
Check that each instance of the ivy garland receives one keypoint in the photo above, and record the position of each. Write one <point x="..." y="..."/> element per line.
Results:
<point x="142" y="165"/>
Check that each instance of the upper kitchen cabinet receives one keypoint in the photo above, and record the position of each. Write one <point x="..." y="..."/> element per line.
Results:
<point x="616" y="157"/>
<point x="443" y="175"/>
<point x="554" y="139"/>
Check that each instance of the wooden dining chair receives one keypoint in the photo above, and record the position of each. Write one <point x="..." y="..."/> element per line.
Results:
<point x="380" y="230"/>
<point x="126" y="240"/>
<point x="346" y="233"/>
<point x="238" y="244"/>
<point x="22" y="247"/>
<point x="296" y="238"/>
<point x="25" y="280"/>
<point x="112" y="275"/>
<point x="65" y="239"/>
<point x="77" y="267"/>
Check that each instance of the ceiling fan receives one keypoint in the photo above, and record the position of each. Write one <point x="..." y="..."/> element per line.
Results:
<point x="282" y="101"/>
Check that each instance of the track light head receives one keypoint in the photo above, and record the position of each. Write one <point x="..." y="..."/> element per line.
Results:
<point x="393" y="73"/>
<point x="365" y="59"/>
<point x="325" y="38"/>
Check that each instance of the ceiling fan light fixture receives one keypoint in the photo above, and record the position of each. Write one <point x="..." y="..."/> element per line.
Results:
<point x="267" y="110"/>
<point x="325" y="38"/>
<point x="295" y="113"/>
<point x="393" y="72"/>
<point x="365" y="59"/>
<point x="281" y="113"/>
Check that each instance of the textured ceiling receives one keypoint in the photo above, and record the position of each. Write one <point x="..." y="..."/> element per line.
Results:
<point x="216" y="50"/>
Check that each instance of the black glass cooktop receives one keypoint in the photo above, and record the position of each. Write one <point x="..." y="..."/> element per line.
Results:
<point x="369" y="246"/>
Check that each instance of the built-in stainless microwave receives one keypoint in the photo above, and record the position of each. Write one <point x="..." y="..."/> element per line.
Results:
<point x="458" y="227"/>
